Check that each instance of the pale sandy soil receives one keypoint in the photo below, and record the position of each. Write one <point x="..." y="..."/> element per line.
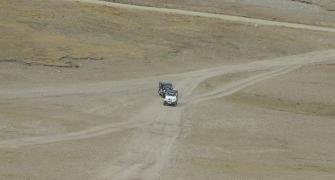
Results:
<point x="78" y="96"/>
<point x="277" y="129"/>
<point x="311" y="92"/>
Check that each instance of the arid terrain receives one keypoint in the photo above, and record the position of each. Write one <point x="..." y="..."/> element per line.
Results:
<point x="79" y="79"/>
<point x="317" y="12"/>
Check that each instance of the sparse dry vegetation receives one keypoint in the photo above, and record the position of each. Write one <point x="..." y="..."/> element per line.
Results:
<point x="78" y="97"/>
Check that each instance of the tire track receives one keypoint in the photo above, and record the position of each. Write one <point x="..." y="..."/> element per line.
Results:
<point x="156" y="128"/>
<point x="244" y="83"/>
<point x="133" y="122"/>
<point x="231" y="18"/>
<point x="187" y="83"/>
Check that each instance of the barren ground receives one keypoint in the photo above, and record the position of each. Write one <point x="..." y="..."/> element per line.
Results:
<point x="78" y="94"/>
<point x="316" y="12"/>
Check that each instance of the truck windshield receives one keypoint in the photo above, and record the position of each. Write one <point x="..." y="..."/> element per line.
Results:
<point x="171" y="93"/>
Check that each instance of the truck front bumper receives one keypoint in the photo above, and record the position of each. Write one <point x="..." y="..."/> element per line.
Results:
<point x="170" y="102"/>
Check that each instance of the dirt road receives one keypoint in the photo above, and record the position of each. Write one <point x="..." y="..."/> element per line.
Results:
<point x="148" y="150"/>
<point x="104" y="119"/>
<point x="237" y="19"/>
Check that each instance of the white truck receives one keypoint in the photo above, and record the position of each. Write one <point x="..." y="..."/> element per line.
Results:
<point x="171" y="98"/>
